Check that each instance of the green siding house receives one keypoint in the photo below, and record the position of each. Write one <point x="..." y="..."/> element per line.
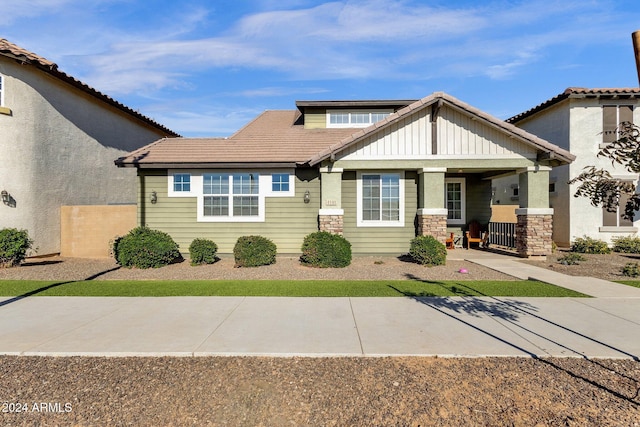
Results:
<point x="377" y="172"/>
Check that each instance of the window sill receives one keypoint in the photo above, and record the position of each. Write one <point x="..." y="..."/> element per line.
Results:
<point x="610" y="229"/>
<point x="6" y="111"/>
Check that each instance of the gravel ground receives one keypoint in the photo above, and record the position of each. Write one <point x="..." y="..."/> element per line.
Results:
<point x="602" y="266"/>
<point x="361" y="268"/>
<point x="319" y="392"/>
<point x="358" y="391"/>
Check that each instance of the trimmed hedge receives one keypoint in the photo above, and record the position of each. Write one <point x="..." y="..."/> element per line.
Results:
<point x="323" y="249"/>
<point x="146" y="248"/>
<point x="14" y="245"/>
<point x="202" y="251"/>
<point x="426" y="250"/>
<point x="254" y="251"/>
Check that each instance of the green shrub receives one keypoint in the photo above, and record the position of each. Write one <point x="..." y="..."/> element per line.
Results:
<point x="14" y="245"/>
<point x="145" y="248"/>
<point x="253" y="251"/>
<point x="572" y="258"/>
<point x="323" y="249"/>
<point x="589" y="245"/>
<point x="631" y="269"/>
<point x="627" y="245"/>
<point x="202" y="251"/>
<point x="426" y="250"/>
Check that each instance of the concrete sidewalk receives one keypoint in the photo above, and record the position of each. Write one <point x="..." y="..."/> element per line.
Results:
<point x="201" y="326"/>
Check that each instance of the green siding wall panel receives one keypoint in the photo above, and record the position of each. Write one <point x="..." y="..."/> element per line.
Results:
<point x="288" y="219"/>
<point x="365" y="240"/>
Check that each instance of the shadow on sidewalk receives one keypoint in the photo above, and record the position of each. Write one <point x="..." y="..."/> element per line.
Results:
<point x="510" y="311"/>
<point x="55" y="285"/>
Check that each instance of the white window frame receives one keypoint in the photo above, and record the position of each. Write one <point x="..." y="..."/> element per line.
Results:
<point x="193" y="182"/>
<point x="380" y="223"/>
<point x="292" y="184"/>
<point x="263" y="181"/>
<point x="463" y="201"/>
<point x="351" y="117"/>
<point x="2" y="89"/>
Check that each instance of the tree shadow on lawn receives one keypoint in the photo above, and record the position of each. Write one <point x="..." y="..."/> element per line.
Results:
<point x="55" y="285"/>
<point x="510" y="311"/>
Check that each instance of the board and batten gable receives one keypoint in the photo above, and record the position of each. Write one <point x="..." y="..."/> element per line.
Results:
<point x="287" y="219"/>
<point x="458" y="134"/>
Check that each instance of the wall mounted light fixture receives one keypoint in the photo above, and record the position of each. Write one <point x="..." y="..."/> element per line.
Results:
<point x="7" y="199"/>
<point x="307" y="196"/>
<point x="154" y="197"/>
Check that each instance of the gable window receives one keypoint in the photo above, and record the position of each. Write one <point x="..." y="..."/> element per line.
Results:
<point x="182" y="182"/>
<point x="380" y="199"/>
<point x="455" y="200"/>
<point x="231" y="195"/>
<point x="337" y="119"/>
<point x="612" y="116"/>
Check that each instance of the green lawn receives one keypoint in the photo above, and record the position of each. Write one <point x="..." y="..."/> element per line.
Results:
<point x="291" y="288"/>
<point x="635" y="283"/>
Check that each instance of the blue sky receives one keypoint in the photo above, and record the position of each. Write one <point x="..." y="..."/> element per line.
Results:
<point x="205" y="68"/>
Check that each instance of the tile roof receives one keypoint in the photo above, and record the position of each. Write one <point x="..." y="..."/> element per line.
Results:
<point x="273" y="137"/>
<point x="578" y="92"/>
<point x="24" y="56"/>
<point x="276" y="137"/>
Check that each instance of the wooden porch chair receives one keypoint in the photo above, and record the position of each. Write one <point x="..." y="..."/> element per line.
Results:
<point x="474" y="234"/>
<point x="450" y="242"/>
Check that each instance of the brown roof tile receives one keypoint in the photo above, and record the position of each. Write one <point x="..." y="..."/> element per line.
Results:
<point x="272" y="137"/>
<point x="21" y="55"/>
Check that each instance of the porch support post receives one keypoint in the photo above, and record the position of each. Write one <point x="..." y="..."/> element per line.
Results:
<point x="535" y="218"/>
<point x="432" y="212"/>
<point x="331" y="214"/>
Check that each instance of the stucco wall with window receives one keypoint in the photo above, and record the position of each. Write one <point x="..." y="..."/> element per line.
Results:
<point x="58" y="145"/>
<point x="576" y="125"/>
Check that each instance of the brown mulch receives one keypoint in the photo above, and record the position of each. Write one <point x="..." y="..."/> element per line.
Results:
<point x="357" y="391"/>
<point x="361" y="268"/>
<point x="602" y="266"/>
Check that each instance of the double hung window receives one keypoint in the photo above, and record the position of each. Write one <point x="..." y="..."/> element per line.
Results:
<point x="231" y="195"/>
<point x="380" y="200"/>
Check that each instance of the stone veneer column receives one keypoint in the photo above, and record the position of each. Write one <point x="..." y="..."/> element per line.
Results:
<point x="433" y="222"/>
<point x="331" y="220"/>
<point x="534" y="232"/>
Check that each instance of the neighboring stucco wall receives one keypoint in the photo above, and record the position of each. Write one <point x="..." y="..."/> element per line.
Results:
<point x="576" y="125"/>
<point x="287" y="219"/>
<point x="89" y="231"/>
<point x="58" y="147"/>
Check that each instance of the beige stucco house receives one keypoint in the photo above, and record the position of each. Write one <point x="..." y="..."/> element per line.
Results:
<point x="581" y="121"/>
<point x="58" y="139"/>
<point x="378" y="172"/>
